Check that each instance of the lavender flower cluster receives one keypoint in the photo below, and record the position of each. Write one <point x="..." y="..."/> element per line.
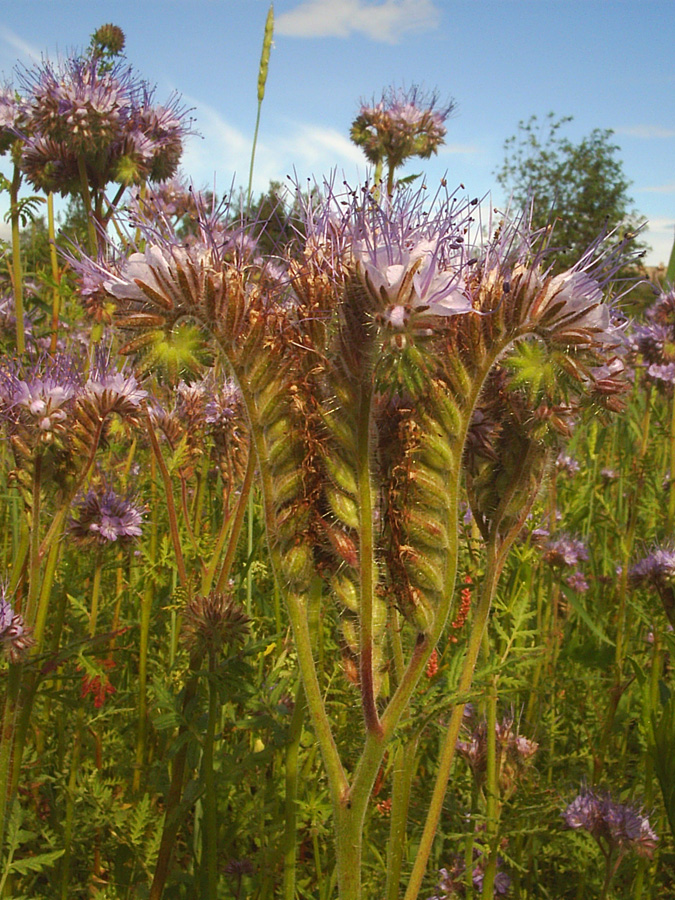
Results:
<point x="103" y="517"/>
<point x="617" y="827"/>
<point x="653" y="343"/>
<point x="452" y="880"/>
<point x="78" y="111"/>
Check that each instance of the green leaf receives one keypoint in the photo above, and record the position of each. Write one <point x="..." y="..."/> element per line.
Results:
<point x="35" y="863"/>
<point x="578" y="607"/>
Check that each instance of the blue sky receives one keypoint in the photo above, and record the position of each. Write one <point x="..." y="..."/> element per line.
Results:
<point x="608" y="63"/>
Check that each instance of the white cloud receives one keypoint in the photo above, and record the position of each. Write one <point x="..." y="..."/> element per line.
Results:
<point x="223" y="153"/>
<point x="387" y="21"/>
<point x="647" y="131"/>
<point x="18" y="45"/>
<point x="314" y="145"/>
<point x="657" y="189"/>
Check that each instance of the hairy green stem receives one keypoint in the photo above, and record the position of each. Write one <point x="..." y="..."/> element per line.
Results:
<point x="209" y="861"/>
<point x="291" y="798"/>
<point x="173" y="815"/>
<point x="144" y="640"/>
<point x="170" y="506"/>
<point x="366" y="564"/>
<point x="494" y="566"/>
<point x="491" y="784"/>
<point x="403" y="771"/>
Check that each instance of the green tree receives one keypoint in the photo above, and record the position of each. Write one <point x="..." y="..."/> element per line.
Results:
<point x="580" y="187"/>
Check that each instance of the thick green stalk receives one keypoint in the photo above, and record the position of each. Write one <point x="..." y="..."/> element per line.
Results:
<point x="95" y="593"/>
<point x="144" y="639"/>
<point x="403" y="772"/>
<point x="209" y="861"/>
<point x="297" y="609"/>
<point x="34" y="557"/>
<point x="172" y="814"/>
<point x="366" y="564"/>
<point x="45" y="594"/>
<point x="491" y="784"/>
<point x="88" y="208"/>
<point x="479" y="623"/>
<point x="170" y="506"/>
<point x="291" y="798"/>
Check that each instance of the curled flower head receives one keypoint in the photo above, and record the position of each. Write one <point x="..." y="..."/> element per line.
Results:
<point x="400" y="125"/>
<point x="514" y="752"/>
<point x="452" y="879"/>
<point x="103" y="518"/>
<point x="213" y="623"/>
<point x="109" y="390"/>
<point x="15" y="636"/>
<point x="657" y="570"/>
<point x="12" y="116"/>
<point x="38" y="401"/>
<point x="80" y="111"/>
<point x="615" y="826"/>
<point x="75" y="103"/>
<point x="408" y="255"/>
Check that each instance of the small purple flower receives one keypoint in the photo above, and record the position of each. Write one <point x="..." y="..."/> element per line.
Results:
<point x="662" y="373"/>
<point x="12" y="115"/>
<point x="104" y="517"/>
<point x="223" y="405"/>
<point x="577" y="581"/>
<point x="564" y="551"/>
<point x="615" y="826"/>
<point x="40" y="399"/>
<point x="14" y="634"/>
<point x="657" y="569"/>
<point x="113" y="391"/>
<point x="566" y="464"/>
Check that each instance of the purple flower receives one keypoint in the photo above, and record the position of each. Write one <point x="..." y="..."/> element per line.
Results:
<point x="39" y="400"/>
<point x="451" y="882"/>
<point x="400" y="125"/>
<point x="80" y="111"/>
<point x="564" y="551"/>
<point x="615" y="826"/>
<point x="104" y="517"/>
<point x="223" y="405"/>
<point x="12" y="115"/>
<point x="113" y="391"/>
<point x="577" y="581"/>
<point x="409" y="258"/>
<point x="14" y="634"/>
<point x="566" y="464"/>
<point x="657" y="569"/>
